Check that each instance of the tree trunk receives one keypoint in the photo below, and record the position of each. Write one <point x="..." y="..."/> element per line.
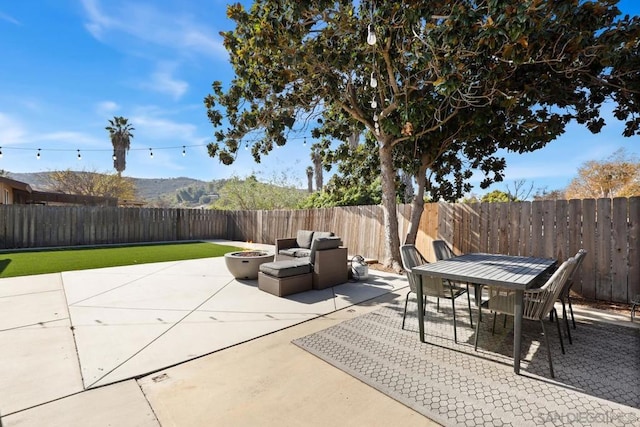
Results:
<point x="309" y="180"/>
<point x="392" y="239"/>
<point x="317" y="163"/>
<point x="353" y="140"/>
<point x="417" y="205"/>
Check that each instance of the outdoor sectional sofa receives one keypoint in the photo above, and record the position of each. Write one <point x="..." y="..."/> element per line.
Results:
<point x="299" y="246"/>
<point x="311" y="260"/>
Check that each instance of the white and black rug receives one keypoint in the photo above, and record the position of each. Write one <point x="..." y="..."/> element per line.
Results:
<point x="597" y="381"/>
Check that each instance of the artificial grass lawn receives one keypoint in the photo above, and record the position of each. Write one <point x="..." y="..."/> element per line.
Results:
<point x="26" y="263"/>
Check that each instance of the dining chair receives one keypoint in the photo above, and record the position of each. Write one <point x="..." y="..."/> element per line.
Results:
<point x="442" y="250"/>
<point x="409" y="260"/>
<point x="536" y="303"/>
<point x="565" y="296"/>
<point x="431" y="286"/>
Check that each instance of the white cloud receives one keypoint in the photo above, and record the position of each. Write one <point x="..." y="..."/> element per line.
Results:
<point x="73" y="139"/>
<point x="98" y="22"/>
<point x="8" y="18"/>
<point x="164" y="82"/>
<point x="153" y="128"/>
<point x="11" y="130"/>
<point x="106" y="107"/>
<point x="121" y="23"/>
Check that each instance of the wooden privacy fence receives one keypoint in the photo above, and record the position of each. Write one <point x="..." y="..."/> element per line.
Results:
<point x="608" y="229"/>
<point x="35" y="226"/>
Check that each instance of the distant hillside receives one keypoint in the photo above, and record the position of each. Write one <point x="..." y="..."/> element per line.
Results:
<point x="171" y="191"/>
<point x="36" y="180"/>
<point x="155" y="188"/>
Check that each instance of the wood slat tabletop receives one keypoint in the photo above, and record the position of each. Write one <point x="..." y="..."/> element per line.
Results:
<point x="511" y="272"/>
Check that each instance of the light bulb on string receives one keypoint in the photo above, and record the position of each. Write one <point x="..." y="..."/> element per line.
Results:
<point x="246" y="146"/>
<point x="151" y="152"/>
<point x="184" y="151"/>
<point x="305" y="141"/>
<point x="79" y="155"/>
<point x="38" y="154"/>
<point x="375" y="117"/>
<point x="371" y="35"/>
<point x="374" y="103"/>
<point x="114" y="156"/>
<point x="373" y="82"/>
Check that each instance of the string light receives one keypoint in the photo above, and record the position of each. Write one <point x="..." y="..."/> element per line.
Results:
<point x="371" y="35"/>
<point x="114" y="156"/>
<point x="373" y="82"/>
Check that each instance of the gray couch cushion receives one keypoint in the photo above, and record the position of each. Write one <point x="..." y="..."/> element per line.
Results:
<point x="286" y="268"/>
<point x="323" y="243"/>
<point x="319" y="234"/>
<point x="304" y="238"/>
<point x="295" y="252"/>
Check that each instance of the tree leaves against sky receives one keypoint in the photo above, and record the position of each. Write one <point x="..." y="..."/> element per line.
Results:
<point x="456" y="82"/>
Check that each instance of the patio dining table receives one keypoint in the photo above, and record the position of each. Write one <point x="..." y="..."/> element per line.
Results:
<point x="516" y="273"/>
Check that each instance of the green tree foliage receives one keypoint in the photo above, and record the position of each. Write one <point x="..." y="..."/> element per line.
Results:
<point x="91" y="184"/>
<point x="453" y="82"/>
<point x="190" y="194"/>
<point x="251" y="194"/>
<point x="197" y="195"/>
<point x="357" y="180"/>
<point x="357" y="177"/>
<point x="120" y="132"/>
<point x="497" y="196"/>
<point x="367" y="193"/>
<point x="616" y="176"/>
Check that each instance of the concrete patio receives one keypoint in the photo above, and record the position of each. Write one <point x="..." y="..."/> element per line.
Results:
<point x="141" y="345"/>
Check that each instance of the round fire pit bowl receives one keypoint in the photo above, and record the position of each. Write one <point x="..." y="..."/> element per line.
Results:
<point x="246" y="264"/>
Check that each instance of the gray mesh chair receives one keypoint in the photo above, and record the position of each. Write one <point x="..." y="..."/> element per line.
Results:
<point x="536" y="303"/>
<point x="443" y="251"/>
<point x="565" y="297"/>
<point x="431" y="286"/>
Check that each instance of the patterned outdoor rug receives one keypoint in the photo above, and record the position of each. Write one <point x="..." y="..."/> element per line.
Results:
<point x="597" y="381"/>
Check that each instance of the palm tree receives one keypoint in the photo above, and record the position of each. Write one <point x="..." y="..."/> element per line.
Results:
<point x="120" y="133"/>
<point x="310" y="179"/>
<point x="316" y="158"/>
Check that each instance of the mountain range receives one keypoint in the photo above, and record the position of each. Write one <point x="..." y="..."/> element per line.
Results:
<point x="171" y="191"/>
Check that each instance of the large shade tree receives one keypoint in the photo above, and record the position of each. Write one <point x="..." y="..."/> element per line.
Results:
<point x="444" y="85"/>
<point x="120" y="132"/>
<point x="616" y="176"/>
<point x="91" y="183"/>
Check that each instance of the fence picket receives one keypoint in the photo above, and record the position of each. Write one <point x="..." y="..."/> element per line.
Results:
<point x="589" y="243"/>
<point x="619" y="250"/>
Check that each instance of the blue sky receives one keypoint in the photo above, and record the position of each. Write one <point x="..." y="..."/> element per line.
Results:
<point x="70" y="65"/>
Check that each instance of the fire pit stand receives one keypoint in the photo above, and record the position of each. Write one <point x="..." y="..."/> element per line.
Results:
<point x="246" y="264"/>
